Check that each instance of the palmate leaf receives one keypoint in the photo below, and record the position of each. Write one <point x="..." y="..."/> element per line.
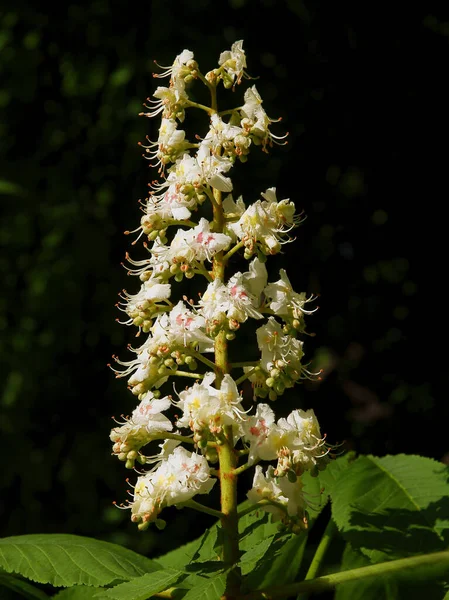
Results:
<point x="280" y="563"/>
<point x="317" y="490"/>
<point x="200" y="550"/>
<point x="66" y="560"/>
<point x="393" y="507"/>
<point x="210" y="588"/>
<point x="141" y="588"/>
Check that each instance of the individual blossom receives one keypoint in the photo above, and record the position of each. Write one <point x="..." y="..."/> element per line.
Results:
<point x="283" y="499"/>
<point x="301" y="445"/>
<point x="144" y="371"/>
<point x="205" y="243"/>
<point x="207" y="409"/>
<point x="256" y="122"/>
<point x="142" y="306"/>
<point x="280" y="364"/>
<point x="178" y="479"/>
<point x="184" y="67"/>
<point x="213" y="166"/>
<point x="287" y="303"/>
<point x="146" y="423"/>
<point x="258" y="429"/>
<point x="172" y="101"/>
<point x="227" y="139"/>
<point x="233" y="65"/>
<point x="265" y="224"/>
<point x="170" y="145"/>
<point x="295" y="442"/>
<point x="187" y="328"/>
<point x="239" y="299"/>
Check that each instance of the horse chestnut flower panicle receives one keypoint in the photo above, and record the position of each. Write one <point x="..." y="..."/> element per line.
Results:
<point x="192" y="231"/>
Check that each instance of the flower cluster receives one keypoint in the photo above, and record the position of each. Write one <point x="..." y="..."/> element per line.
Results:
<point x="191" y="230"/>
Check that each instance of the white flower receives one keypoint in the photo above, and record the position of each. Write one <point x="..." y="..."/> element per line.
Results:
<point x="205" y="407"/>
<point x="148" y="413"/>
<point x="287" y="497"/>
<point x="285" y="301"/>
<point x="234" y="63"/>
<point x="171" y="101"/>
<point x="215" y="301"/>
<point x="143" y="370"/>
<point x="145" y="424"/>
<point x="266" y="223"/>
<point x="181" y="67"/>
<point x="258" y="430"/>
<point x="233" y="209"/>
<point x="213" y="166"/>
<point x="278" y="350"/>
<point x="239" y="298"/>
<point x="205" y="243"/>
<point x="303" y="445"/>
<point x="244" y="303"/>
<point x="139" y="307"/>
<point x="170" y="144"/>
<point x="184" y="327"/>
<point x="178" y="478"/>
<point x="256" y="121"/>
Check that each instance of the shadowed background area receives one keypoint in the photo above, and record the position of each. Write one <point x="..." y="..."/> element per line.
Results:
<point x="361" y="93"/>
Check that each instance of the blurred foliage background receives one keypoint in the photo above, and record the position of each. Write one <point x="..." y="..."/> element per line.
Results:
<point x="361" y="91"/>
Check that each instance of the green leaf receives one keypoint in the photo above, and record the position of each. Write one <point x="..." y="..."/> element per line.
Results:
<point x="211" y="588"/>
<point x="201" y="549"/>
<point x="252" y="556"/>
<point x="393" y="507"/>
<point x="141" y="588"/>
<point x="23" y="588"/>
<point x="255" y="527"/>
<point x="280" y="564"/>
<point x="66" y="560"/>
<point x="79" y="592"/>
<point x="318" y="489"/>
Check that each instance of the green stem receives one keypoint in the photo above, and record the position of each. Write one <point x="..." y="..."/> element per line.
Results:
<point x="320" y="553"/>
<point x="244" y="467"/>
<point x="187" y="374"/>
<point x="201" y="508"/>
<point x="253" y="507"/>
<point x="200" y="106"/>
<point x="245" y="376"/>
<point x="438" y="560"/>
<point x="185" y="222"/>
<point x="226" y="453"/>
<point x="203" y="359"/>
<point x="201" y="269"/>
<point x="174" y="436"/>
<point x="248" y="363"/>
<point x="232" y="251"/>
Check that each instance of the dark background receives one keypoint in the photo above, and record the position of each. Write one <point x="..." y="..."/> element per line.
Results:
<point x="361" y="90"/>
